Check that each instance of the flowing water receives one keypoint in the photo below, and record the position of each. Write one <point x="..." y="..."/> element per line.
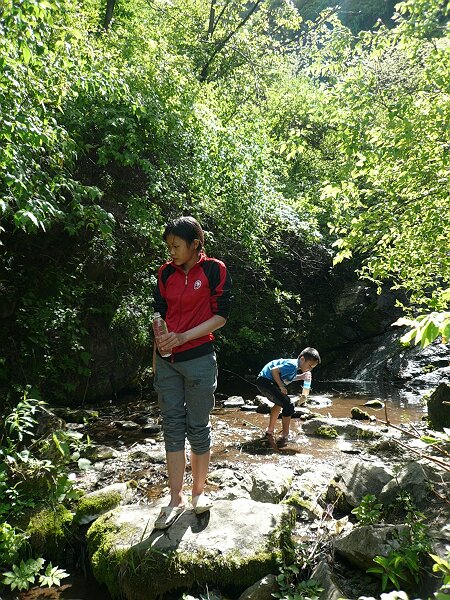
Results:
<point x="239" y="438"/>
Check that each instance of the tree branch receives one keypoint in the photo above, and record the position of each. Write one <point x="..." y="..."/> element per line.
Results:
<point x="221" y="45"/>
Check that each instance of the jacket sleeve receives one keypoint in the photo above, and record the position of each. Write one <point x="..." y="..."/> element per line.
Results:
<point x="159" y="300"/>
<point x="220" y="285"/>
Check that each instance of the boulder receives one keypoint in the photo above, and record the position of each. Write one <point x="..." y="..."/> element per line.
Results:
<point x="271" y="483"/>
<point x="235" y="544"/>
<point x="347" y="427"/>
<point x="411" y="479"/>
<point x="356" y="479"/>
<point x="439" y="407"/>
<point x="362" y="544"/>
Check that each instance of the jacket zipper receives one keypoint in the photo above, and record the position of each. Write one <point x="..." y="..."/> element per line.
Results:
<point x="172" y="359"/>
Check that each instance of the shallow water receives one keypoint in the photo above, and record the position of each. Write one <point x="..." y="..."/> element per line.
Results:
<point x="329" y="398"/>
<point x="239" y="439"/>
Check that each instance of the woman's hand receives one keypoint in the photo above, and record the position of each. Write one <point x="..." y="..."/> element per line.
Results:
<point x="169" y="340"/>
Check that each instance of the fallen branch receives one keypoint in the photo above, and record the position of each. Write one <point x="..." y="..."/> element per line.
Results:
<point x="416" y="436"/>
<point x="440" y="497"/>
<point x="445" y="466"/>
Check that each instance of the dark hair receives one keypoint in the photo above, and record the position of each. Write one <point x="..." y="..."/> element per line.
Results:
<point x="310" y="354"/>
<point x="186" y="228"/>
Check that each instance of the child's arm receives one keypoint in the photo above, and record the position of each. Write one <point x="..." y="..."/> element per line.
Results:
<point x="276" y="377"/>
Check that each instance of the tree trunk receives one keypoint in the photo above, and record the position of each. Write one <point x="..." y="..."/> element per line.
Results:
<point x="109" y="13"/>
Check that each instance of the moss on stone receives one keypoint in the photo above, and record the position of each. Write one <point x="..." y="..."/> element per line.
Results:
<point x="304" y="504"/>
<point x="145" y="573"/>
<point x="183" y="570"/>
<point x="389" y="446"/>
<point x="367" y="434"/>
<point x="49" y="531"/>
<point x="359" y="414"/>
<point x="326" y="431"/>
<point x="102" y="540"/>
<point x="292" y="500"/>
<point x="97" y="504"/>
<point x="336" y="496"/>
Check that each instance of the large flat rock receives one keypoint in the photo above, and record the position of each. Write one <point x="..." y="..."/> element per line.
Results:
<point x="231" y="546"/>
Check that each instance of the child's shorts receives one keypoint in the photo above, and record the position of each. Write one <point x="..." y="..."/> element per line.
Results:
<point x="272" y="391"/>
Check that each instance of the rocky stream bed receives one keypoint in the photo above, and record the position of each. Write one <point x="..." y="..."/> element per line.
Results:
<point x="267" y="500"/>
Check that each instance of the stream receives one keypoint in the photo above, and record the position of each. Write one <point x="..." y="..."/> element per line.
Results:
<point x="238" y="440"/>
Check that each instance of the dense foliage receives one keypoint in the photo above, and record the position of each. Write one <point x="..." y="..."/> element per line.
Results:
<point x="297" y="133"/>
<point x="266" y="121"/>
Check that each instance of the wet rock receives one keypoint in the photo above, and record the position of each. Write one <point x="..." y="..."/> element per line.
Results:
<point x="151" y="428"/>
<point x="300" y="412"/>
<point x="310" y="485"/>
<point x="264" y="405"/>
<point x="48" y="531"/>
<point x="439" y="407"/>
<point x="156" y="455"/>
<point x="348" y="448"/>
<point x="233" y="484"/>
<point x="359" y="414"/>
<point x="48" y="423"/>
<point x="140" y="454"/>
<point x="75" y="426"/>
<point x="141" y="418"/>
<point x="76" y="415"/>
<point x="101" y="452"/>
<point x="374" y="404"/>
<point x="234" y="402"/>
<point x="440" y="540"/>
<point x="385" y="445"/>
<point x="129" y="425"/>
<point x="345" y="427"/>
<point x="319" y="401"/>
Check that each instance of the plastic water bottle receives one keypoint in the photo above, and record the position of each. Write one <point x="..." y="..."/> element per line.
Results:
<point x="306" y="387"/>
<point x="159" y="329"/>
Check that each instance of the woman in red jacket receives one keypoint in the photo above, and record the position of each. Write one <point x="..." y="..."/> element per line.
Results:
<point x="193" y="295"/>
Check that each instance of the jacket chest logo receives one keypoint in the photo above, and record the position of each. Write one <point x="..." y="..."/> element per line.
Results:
<point x="197" y="284"/>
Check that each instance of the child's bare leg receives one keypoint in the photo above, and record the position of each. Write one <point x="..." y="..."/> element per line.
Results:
<point x="274" y="413"/>
<point x="285" y="424"/>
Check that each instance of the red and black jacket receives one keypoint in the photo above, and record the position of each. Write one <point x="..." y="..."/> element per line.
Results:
<point x="186" y="300"/>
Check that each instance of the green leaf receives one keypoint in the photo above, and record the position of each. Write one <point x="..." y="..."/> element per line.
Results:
<point x="26" y="53"/>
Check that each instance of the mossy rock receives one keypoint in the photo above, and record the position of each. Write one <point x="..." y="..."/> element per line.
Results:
<point x="312" y="507"/>
<point x="50" y="530"/>
<point x="439" y="407"/>
<point x="232" y="546"/>
<point x="359" y="414"/>
<point x="105" y="553"/>
<point x="336" y="495"/>
<point x="97" y="503"/>
<point x="326" y="431"/>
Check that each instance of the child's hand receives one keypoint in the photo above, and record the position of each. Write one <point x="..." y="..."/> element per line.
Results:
<point x="283" y="390"/>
